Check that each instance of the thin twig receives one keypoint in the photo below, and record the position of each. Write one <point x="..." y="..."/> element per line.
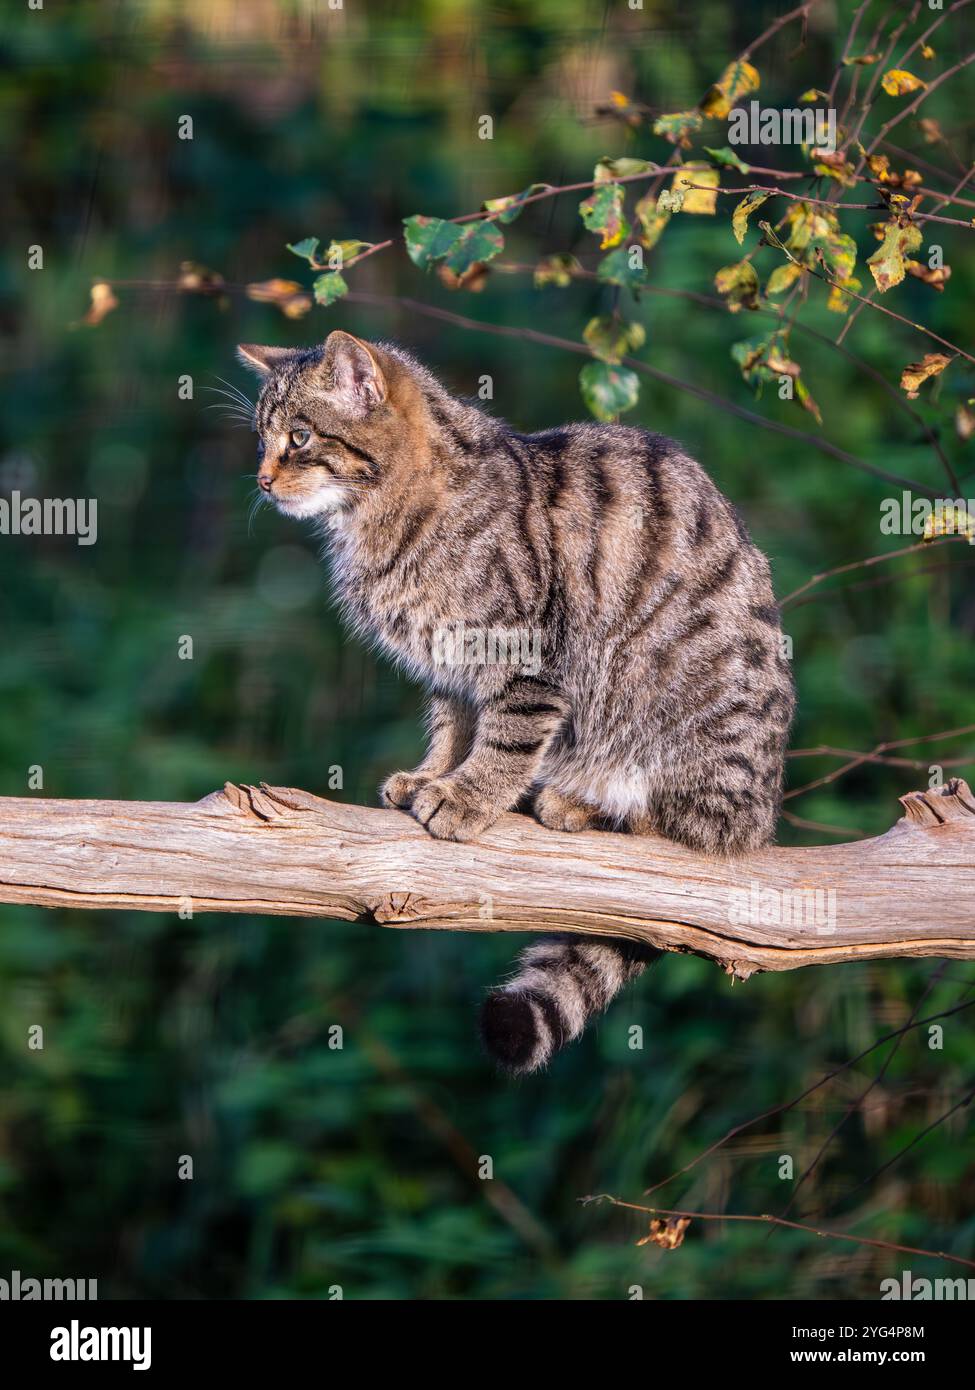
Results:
<point x="797" y="1100"/>
<point x="768" y="1220"/>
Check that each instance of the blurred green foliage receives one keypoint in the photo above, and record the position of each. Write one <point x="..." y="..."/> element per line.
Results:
<point x="314" y="1166"/>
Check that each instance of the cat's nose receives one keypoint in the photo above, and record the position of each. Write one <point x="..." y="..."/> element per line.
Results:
<point x="264" y="482"/>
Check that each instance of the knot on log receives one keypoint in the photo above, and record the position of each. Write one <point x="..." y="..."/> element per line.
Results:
<point x="938" y="805"/>
<point x="399" y="907"/>
<point x="264" y="803"/>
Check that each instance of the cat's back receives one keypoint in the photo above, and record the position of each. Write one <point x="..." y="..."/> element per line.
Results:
<point x="632" y="514"/>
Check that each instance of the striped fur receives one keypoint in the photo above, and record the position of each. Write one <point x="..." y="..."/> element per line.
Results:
<point x="649" y="691"/>
<point x="560" y="984"/>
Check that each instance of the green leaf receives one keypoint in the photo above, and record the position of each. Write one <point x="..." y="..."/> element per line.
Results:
<point x="727" y="159"/>
<point x="750" y="355"/>
<point x="305" y="248"/>
<point x="608" y="390"/>
<point x="616" y="269"/>
<point x="508" y="208"/>
<point x="806" y="401"/>
<point x="602" y="213"/>
<point x="428" y="239"/>
<point x="477" y="243"/>
<point x="765" y="360"/>
<point x="339" y="252"/>
<point x="678" y="127"/>
<point x="330" y="287"/>
<point x="741" y="214"/>
<point x="608" y="169"/>
<point x="611" y="338"/>
<point x="839" y="252"/>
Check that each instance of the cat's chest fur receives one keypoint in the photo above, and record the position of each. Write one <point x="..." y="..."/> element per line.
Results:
<point x="410" y="611"/>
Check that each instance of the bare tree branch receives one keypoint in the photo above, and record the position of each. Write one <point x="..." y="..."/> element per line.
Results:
<point x="282" y="851"/>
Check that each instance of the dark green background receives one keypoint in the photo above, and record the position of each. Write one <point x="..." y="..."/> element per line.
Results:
<point x="316" y="1167"/>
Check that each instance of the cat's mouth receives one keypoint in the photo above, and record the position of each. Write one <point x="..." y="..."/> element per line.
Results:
<point x="320" y="500"/>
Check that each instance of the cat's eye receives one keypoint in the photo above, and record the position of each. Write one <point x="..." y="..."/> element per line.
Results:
<point x="300" y="438"/>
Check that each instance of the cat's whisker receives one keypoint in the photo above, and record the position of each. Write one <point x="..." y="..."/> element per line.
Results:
<point x="257" y="501"/>
<point x="245" y="400"/>
<point x="231" y="414"/>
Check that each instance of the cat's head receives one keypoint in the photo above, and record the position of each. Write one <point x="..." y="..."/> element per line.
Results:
<point x="333" y="421"/>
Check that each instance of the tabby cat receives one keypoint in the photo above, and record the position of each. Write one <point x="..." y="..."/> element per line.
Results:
<point x="596" y="630"/>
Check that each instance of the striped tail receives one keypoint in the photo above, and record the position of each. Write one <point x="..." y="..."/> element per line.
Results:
<point x="560" y="983"/>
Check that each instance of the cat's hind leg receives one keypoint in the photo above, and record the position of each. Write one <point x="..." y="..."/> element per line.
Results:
<point x="559" y="811"/>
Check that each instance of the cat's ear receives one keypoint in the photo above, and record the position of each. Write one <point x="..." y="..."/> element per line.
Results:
<point x="354" y="376"/>
<point x="263" y="359"/>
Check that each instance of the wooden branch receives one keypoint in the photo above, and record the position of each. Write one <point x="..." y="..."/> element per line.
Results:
<point x="910" y="892"/>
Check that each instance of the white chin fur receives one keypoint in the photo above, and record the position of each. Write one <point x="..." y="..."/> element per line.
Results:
<point x="323" y="501"/>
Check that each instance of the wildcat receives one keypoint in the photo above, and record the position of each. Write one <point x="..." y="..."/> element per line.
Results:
<point x="660" y="702"/>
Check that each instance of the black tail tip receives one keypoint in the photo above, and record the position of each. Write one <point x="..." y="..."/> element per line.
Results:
<point x="509" y="1030"/>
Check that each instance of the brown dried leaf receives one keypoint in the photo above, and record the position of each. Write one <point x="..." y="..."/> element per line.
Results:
<point x="103" y="301"/>
<point x="474" y="278"/>
<point x="669" y="1234"/>
<point x="937" y="279"/>
<point x="916" y="373"/>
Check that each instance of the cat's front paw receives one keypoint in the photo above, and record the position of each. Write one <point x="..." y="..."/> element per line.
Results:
<point x="399" y="789"/>
<point x="451" y="810"/>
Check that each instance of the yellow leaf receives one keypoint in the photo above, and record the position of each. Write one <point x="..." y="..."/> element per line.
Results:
<point x="927" y="51"/>
<point x="948" y="519"/>
<point x="737" y="80"/>
<point x="916" y="373"/>
<point x="697" y="199"/>
<point x="782" y="277"/>
<point x="652" y="220"/>
<point x="741" y="214"/>
<point x="898" y="82"/>
<point x="887" y="262"/>
<point x="837" y="302"/>
<point x="618" y="99"/>
<point x="739" y="284"/>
